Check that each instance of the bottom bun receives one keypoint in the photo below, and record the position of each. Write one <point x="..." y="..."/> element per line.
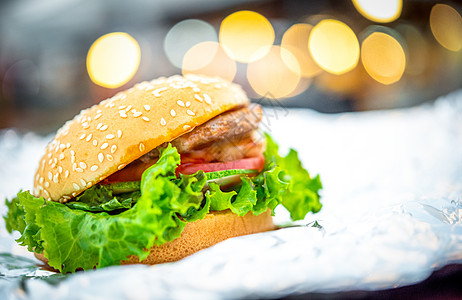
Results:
<point x="214" y="228"/>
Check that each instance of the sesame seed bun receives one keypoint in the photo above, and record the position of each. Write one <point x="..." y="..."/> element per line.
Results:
<point x="214" y="228"/>
<point x="106" y="137"/>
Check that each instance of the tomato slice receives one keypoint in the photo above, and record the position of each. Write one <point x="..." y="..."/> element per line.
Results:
<point x="251" y="163"/>
<point x="134" y="170"/>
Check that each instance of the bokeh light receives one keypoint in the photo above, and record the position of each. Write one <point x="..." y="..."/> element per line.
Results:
<point x="383" y="57"/>
<point x="184" y="35"/>
<point x="209" y="58"/>
<point x="113" y="59"/>
<point x="417" y="46"/>
<point x="446" y="26"/>
<point x="382" y="11"/>
<point x="302" y="86"/>
<point x="246" y="36"/>
<point x="295" y="40"/>
<point x="334" y="46"/>
<point x="271" y="77"/>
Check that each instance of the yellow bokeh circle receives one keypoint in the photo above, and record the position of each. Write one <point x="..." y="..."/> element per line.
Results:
<point x="382" y="11"/>
<point x="295" y="39"/>
<point x="208" y="58"/>
<point x="271" y="77"/>
<point x="334" y="46"/>
<point x="446" y="26"/>
<point x="113" y="59"/>
<point x="383" y="57"/>
<point x="246" y="36"/>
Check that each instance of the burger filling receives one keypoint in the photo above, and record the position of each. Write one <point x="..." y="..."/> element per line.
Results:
<point x="230" y="141"/>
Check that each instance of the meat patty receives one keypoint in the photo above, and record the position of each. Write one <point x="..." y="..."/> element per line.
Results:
<point x="226" y="127"/>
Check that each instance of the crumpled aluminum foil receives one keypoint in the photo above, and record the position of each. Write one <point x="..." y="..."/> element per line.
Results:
<point x="392" y="214"/>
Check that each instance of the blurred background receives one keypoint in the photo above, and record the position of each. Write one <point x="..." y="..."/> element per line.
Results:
<point x="59" y="56"/>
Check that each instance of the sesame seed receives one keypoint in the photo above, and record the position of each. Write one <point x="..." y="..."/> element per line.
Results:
<point x="82" y="136"/>
<point x="85" y="125"/>
<point x="50" y="176"/>
<point x="156" y="92"/>
<point x="104" y="146"/>
<point x="198" y="98"/>
<point x="62" y="146"/>
<point x="95" y="143"/>
<point x="173" y="113"/>
<point x="190" y="112"/>
<point x="120" y="167"/>
<point x="136" y="114"/>
<point x="68" y="145"/>
<point x="48" y="194"/>
<point x="100" y="157"/>
<point x="109" y="157"/>
<point x="110" y="136"/>
<point x="207" y="99"/>
<point x="37" y="176"/>
<point x="123" y="114"/>
<point x="61" y="156"/>
<point x="196" y="89"/>
<point x="188" y="104"/>
<point x="74" y="166"/>
<point x="98" y="116"/>
<point x="162" y="121"/>
<point x="94" y="168"/>
<point x="66" y="174"/>
<point x="55" y="160"/>
<point x="83" y="182"/>
<point x="146" y="119"/>
<point x="180" y="103"/>
<point x="99" y="111"/>
<point x="141" y="147"/>
<point x="47" y="184"/>
<point x="186" y="127"/>
<point x="147" y="107"/>
<point x="119" y="133"/>
<point x="41" y="180"/>
<point x="60" y="169"/>
<point x="49" y="155"/>
<point x="83" y="165"/>
<point x="128" y="108"/>
<point x="99" y="125"/>
<point x="72" y="159"/>
<point x="80" y="170"/>
<point x="104" y="127"/>
<point x="76" y="186"/>
<point x="72" y="152"/>
<point x="113" y="149"/>
<point x="55" y="178"/>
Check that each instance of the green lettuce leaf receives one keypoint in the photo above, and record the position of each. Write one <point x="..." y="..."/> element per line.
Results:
<point x="106" y="224"/>
<point x="74" y="238"/>
<point x="301" y="192"/>
<point x="101" y="198"/>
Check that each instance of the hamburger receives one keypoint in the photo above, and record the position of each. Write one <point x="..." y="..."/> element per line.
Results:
<point x="156" y="173"/>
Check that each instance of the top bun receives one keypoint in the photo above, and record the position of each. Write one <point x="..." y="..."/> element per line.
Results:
<point x="106" y="137"/>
